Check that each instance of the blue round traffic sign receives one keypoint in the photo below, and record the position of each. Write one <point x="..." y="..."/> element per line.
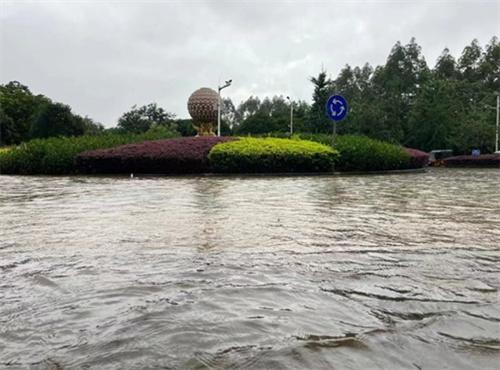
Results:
<point x="336" y="108"/>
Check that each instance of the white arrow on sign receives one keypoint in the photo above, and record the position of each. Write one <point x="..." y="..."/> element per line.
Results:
<point x="335" y="113"/>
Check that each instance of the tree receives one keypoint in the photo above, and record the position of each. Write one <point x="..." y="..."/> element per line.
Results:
<point x="271" y="115"/>
<point x="19" y="107"/>
<point x="355" y="85"/>
<point x="185" y="127"/>
<point x="451" y="114"/>
<point x="435" y="112"/>
<point x="318" y="122"/>
<point x="397" y="85"/>
<point x="489" y="67"/>
<point x="228" y="113"/>
<point x="90" y="127"/>
<point x="140" y="119"/>
<point x="469" y="62"/>
<point x="446" y="66"/>
<point x="258" y="123"/>
<point x="246" y="109"/>
<point x="56" y="119"/>
<point x="8" y="134"/>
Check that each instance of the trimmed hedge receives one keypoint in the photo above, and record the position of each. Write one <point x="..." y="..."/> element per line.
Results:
<point x="172" y="156"/>
<point x="418" y="159"/>
<point x="360" y="153"/>
<point x="484" y="160"/>
<point x="254" y="155"/>
<point x="191" y="155"/>
<point x="56" y="156"/>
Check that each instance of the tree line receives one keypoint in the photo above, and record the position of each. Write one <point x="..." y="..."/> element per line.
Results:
<point x="449" y="106"/>
<point x="25" y="116"/>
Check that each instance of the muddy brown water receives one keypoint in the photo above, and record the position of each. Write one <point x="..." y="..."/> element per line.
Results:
<point x="355" y="272"/>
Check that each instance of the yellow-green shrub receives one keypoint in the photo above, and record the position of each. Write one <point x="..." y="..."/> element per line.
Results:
<point x="251" y="155"/>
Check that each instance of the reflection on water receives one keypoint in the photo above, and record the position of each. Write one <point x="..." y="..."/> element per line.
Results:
<point x="352" y="272"/>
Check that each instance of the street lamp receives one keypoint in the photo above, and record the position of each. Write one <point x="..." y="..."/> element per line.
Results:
<point x="226" y="84"/>
<point x="291" y="115"/>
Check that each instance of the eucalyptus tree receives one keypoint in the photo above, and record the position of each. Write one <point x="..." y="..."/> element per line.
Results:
<point x="446" y="66"/>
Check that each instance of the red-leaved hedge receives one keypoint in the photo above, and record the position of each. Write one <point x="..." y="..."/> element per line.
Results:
<point x="170" y="156"/>
<point x="418" y="159"/>
<point x="484" y="160"/>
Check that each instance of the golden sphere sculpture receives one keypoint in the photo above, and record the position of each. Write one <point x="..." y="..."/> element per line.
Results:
<point x="202" y="106"/>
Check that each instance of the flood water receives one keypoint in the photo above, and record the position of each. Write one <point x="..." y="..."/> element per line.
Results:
<point x="352" y="272"/>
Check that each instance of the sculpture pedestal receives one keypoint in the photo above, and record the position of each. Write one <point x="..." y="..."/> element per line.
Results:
<point x="204" y="129"/>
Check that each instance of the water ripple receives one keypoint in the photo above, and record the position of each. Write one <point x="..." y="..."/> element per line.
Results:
<point x="350" y="272"/>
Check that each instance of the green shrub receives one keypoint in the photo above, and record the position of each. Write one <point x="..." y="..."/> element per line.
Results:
<point x="55" y="156"/>
<point x="319" y="138"/>
<point x="252" y="155"/>
<point x="360" y="153"/>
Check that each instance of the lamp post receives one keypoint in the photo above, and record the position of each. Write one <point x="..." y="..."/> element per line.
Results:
<point x="226" y="84"/>
<point x="291" y="115"/>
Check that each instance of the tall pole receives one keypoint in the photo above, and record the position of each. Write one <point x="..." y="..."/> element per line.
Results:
<point x="218" y="113"/>
<point x="334" y="132"/>
<point x="498" y="108"/>
<point x="291" y="115"/>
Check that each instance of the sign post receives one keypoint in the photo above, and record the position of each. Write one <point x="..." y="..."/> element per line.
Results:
<point x="336" y="109"/>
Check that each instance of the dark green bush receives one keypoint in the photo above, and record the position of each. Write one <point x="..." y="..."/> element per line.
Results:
<point x="360" y="153"/>
<point x="56" y="156"/>
<point x="319" y="138"/>
<point x="253" y="155"/>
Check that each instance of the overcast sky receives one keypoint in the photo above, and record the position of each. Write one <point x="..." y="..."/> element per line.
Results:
<point x="103" y="57"/>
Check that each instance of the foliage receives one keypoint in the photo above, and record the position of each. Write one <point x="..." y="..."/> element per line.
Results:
<point x="172" y="156"/>
<point x="91" y="127"/>
<point x="254" y="116"/>
<point x="446" y="66"/>
<point x="18" y="106"/>
<point x="451" y="114"/>
<point x="141" y="119"/>
<point x="56" y="120"/>
<point x="185" y="127"/>
<point x="360" y="153"/>
<point x="485" y="160"/>
<point x="56" y="155"/>
<point x="24" y="116"/>
<point x="402" y="101"/>
<point x="318" y="122"/>
<point x="250" y="155"/>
